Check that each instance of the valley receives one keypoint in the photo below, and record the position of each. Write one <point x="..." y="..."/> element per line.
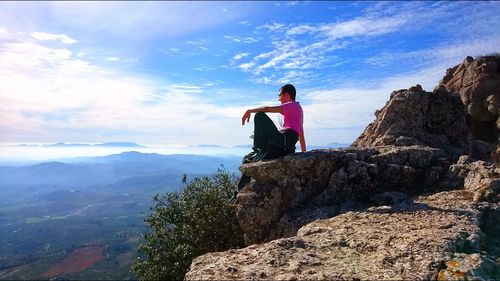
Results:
<point x="83" y="219"/>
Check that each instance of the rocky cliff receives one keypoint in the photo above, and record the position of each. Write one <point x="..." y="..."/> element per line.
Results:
<point x="477" y="83"/>
<point x="415" y="197"/>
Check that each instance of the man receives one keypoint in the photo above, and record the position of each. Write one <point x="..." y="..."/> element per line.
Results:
<point x="268" y="141"/>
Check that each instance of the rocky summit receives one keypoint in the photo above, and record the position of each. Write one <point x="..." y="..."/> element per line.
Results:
<point x="416" y="196"/>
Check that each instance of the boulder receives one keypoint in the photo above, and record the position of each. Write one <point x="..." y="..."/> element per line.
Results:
<point x="416" y="117"/>
<point x="477" y="82"/>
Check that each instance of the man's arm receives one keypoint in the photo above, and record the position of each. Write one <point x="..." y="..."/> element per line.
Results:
<point x="246" y="116"/>
<point x="302" y="142"/>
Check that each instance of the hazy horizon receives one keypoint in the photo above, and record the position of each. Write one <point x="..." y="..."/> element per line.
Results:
<point x="40" y="152"/>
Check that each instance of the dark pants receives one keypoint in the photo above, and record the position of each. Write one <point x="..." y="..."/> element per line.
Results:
<point x="266" y="136"/>
<point x="268" y="143"/>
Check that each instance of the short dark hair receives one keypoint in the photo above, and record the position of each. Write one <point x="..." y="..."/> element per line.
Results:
<point x="290" y="89"/>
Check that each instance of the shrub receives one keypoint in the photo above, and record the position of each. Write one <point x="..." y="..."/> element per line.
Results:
<point x="187" y="224"/>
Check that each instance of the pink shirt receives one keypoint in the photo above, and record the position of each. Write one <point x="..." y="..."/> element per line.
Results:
<point x="293" y="115"/>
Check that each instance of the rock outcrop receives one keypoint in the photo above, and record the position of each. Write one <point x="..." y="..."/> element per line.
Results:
<point x="415" y="197"/>
<point x="289" y="188"/>
<point x="477" y="82"/>
<point x="416" y="117"/>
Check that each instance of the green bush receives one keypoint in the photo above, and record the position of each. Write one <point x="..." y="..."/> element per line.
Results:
<point x="187" y="224"/>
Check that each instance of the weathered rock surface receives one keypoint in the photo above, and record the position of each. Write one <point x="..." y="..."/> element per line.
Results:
<point x="481" y="180"/>
<point x="412" y="240"/>
<point x="275" y="204"/>
<point x="416" y="117"/>
<point x="477" y="82"/>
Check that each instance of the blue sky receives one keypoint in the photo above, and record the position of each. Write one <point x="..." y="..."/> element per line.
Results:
<point x="185" y="72"/>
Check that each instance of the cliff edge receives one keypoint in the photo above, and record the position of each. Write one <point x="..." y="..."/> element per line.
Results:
<point x="415" y="197"/>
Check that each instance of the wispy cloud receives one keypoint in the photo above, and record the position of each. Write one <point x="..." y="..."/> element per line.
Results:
<point x="187" y="88"/>
<point x="172" y="51"/>
<point x="199" y="43"/>
<point x="238" y="39"/>
<point x="239" y="56"/>
<point x="204" y="68"/>
<point x="445" y="54"/>
<point x="362" y="26"/>
<point x="291" y="3"/>
<point x="273" y="26"/>
<point x="52" y="94"/>
<point x="312" y="46"/>
<point x="298" y="56"/>
<point x="245" y="22"/>
<point x="246" y="66"/>
<point x="43" y="36"/>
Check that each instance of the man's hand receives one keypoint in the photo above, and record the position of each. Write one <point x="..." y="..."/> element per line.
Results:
<point x="246" y="117"/>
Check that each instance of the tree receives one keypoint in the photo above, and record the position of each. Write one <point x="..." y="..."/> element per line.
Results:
<point x="187" y="224"/>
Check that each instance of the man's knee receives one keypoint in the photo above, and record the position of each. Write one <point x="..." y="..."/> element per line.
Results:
<point x="260" y="116"/>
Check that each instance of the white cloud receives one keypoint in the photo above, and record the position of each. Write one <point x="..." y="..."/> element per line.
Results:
<point x="302" y="29"/>
<point x="112" y="59"/>
<point x="238" y="39"/>
<point x="198" y="43"/>
<point x="449" y="54"/>
<point x="265" y="55"/>
<point x="264" y="80"/>
<point x="205" y="68"/>
<point x="245" y="22"/>
<point x="293" y="58"/>
<point x="362" y="27"/>
<point x="273" y="27"/>
<point x="239" y="56"/>
<point x="246" y="66"/>
<point x="299" y="56"/>
<point x="295" y="77"/>
<point x="344" y="107"/>
<point x="142" y="21"/>
<point x="312" y="46"/>
<point x="187" y="88"/>
<point x="172" y="51"/>
<point x="43" y="36"/>
<point x="52" y="95"/>
<point x="3" y="33"/>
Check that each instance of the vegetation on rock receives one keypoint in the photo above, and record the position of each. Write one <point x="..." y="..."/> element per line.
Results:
<point x="186" y="224"/>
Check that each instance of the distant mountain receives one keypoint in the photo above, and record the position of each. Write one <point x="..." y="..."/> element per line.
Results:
<point x="107" y="144"/>
<point x="243" y="146"/>
<point x="174" y="162"/>
<point x="56" y="173"/>
<point x="119" y="144"/>
<point x="337" y="144"/>
<point x="331" y="145"/>
<point x="208" y="145"/>
<point x="130" y="168"/>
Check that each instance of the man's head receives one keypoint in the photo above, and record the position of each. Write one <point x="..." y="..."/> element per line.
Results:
<point x="288" y="89"/>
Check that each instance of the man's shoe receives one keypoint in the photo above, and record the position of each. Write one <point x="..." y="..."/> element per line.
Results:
<point x="233" y="199"/>
<point x="244" y="180"/>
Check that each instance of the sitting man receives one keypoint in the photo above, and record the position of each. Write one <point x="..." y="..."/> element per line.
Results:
<point x="268" y="141"/>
